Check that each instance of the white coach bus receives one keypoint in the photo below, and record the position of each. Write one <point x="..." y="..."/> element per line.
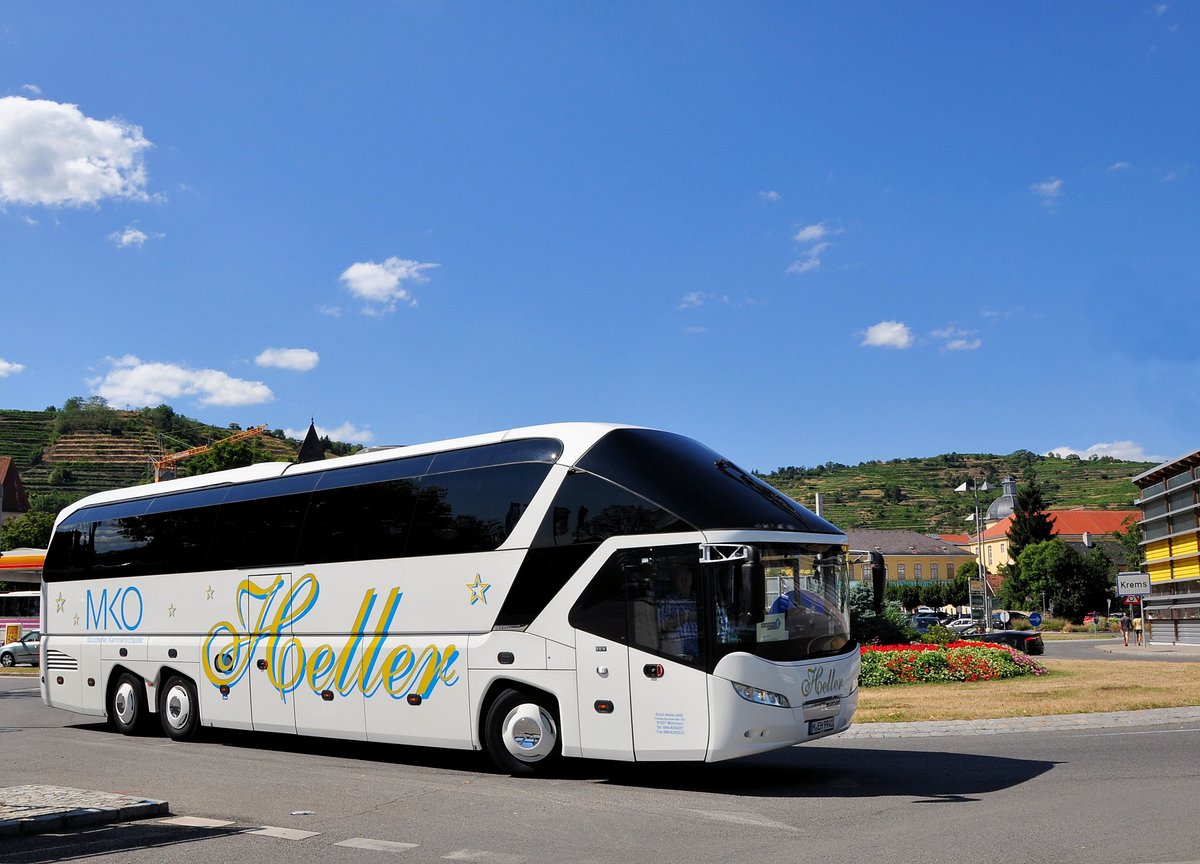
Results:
<point x="577" y="590"/>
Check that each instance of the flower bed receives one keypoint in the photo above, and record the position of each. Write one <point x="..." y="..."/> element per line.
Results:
<point x="957" y="661"/>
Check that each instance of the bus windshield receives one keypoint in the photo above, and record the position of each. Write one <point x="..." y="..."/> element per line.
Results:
<point x="798" y="610"/>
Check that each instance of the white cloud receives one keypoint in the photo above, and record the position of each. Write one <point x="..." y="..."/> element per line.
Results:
<point x="1129" y="450"/>
<point x="298" y="359"/>
<point x="379" y="285"/>
<point x="133" y="382"/>
<point x="957" y="340"/>
<point x="129" y="237"/>
<point x="52" y="154"/>
<point x="331" y="311"/>
<point x="888" y="334"/>
<point x="810" y="260"/>
<point x="1049" y="191"/>
<point x="7" y="368"/>
<point x="1161" y="9"/>
<point x="811" y="233"/>
<point x="691" y="300"/>
<point x="347" y="433"/>
<point x="769" y="195"/>
<point x="1119" y="166"/>
<point x="32" y="88"/>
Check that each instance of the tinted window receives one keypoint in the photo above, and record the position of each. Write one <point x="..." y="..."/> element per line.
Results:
<point x="472" y="511"/>
<point x="589" y="509"/>
<point x="543" y="573"/>
<point x="359" y="522"/>
<point x="696" y="483"/>
<point x="257" y="533"/>
<point x="650" y="598"/>
<point x="376" y="472"/>
<point x="530" y="450"/>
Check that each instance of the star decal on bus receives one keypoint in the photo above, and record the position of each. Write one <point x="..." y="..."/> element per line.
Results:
<point x="479" y="590"/>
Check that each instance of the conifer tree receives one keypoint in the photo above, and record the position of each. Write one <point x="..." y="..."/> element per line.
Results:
<point x="1030" y="522"/>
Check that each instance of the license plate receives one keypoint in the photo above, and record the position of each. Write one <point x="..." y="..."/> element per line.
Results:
<point x="815" y="727"/>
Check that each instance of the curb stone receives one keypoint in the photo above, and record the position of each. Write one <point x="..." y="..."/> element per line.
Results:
<point x="1059" y="722"/>
<point x="39" y="809"/>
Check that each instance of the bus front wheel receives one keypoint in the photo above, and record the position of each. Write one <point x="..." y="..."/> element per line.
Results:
<point x="127" y="704"/>
<point x="520" y="732"/>
<point x="179" y="709"/>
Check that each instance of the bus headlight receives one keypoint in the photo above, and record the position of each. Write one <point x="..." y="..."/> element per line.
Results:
<point x="760" y="697"/>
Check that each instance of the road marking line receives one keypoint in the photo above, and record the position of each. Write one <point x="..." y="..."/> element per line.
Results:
<point x="196" y="822"/>
<point x="284" y="833"/>
<point x="377" y="845"/>
<point x="480" y="855"/>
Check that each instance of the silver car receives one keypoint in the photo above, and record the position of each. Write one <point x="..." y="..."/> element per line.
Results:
<point x="24" y="650"/>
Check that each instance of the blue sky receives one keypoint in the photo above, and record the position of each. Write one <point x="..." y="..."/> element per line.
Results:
<point x="800" y="233"/>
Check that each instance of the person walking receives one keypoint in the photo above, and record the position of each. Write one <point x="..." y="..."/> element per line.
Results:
<point x="1137" y="629"/>
<point x="1126" y="625"/>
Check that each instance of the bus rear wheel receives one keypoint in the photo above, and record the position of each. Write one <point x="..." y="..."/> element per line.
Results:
<point x="521" y="733"/>
<point x="127" y="704"/>
<point x="179" y="709"/>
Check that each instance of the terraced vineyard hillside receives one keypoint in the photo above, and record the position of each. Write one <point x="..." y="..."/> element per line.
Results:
<point x="71" y="464"/>
<point x="96" y="448"/>
<point x="918" y="494"/>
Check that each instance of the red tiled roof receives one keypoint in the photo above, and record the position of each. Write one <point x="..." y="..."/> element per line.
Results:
<point x="955" y="539"/>
<point x="1073" y="523"/>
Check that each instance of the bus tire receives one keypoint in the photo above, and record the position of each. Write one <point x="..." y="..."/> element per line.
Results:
<point x="179" y="709"/>
<point x="520" y="732"/>
<point x="127" y="704"/>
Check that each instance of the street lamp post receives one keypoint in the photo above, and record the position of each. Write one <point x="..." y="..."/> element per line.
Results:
<point x="977" y="487"/>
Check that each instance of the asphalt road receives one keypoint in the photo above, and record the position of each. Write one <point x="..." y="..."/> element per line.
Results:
<point x="1112" y="648"/>
<point x="1083" y="797"/>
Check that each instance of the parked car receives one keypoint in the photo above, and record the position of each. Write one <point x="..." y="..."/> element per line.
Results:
<point x="24" y="650"/>
<point x="923" y="621"/>
<point x="958" y="625"/>
<point x="1029" y="641"/>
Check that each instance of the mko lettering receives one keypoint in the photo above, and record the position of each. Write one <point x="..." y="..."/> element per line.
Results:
<point x="122" y="612"/>
<point x="359" y="664"/>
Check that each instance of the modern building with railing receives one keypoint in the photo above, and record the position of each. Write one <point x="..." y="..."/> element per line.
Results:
<point x="1170" y="495"/>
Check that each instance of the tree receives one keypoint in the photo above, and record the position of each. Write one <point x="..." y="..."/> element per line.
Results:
<point x="222" y="457"/>
<point x="31" y="530"/>
<point x="1072" y="584"/>
<point x="1130" y="542"/>
<point x="1030" y="523"/>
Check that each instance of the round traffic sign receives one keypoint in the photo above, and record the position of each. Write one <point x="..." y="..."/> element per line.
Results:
<point x="1035" y="619"/>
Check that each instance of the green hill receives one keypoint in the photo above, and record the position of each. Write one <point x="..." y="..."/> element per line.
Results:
<point x="87" y="447"/>
<point x="918" y="494"/>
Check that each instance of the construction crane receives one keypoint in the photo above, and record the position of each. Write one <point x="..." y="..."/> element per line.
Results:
<point x="168" y="462"/>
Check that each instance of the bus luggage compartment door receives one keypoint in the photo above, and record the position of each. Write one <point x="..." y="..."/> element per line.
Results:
<point x="605" y="716"/>
<point x="670" y="708"/>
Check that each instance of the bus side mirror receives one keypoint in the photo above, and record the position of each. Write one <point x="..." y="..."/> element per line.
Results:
<point x="752" y="573"/>
<point x="878" y="581"/>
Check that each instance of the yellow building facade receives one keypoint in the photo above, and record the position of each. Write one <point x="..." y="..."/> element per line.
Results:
<point x="1170" y="500"/>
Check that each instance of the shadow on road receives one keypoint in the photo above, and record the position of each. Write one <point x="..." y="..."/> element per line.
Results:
<point x="796" y="772"/>
<point x="106" y="840"/>
<point x="820" y="772"/>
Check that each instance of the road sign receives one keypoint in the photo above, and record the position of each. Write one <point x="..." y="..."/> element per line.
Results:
<point x="1035" y="619"/>
<point x="1129" y="584"/>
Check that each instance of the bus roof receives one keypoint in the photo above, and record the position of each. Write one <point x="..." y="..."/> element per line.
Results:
<point x="576" y="439"/>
